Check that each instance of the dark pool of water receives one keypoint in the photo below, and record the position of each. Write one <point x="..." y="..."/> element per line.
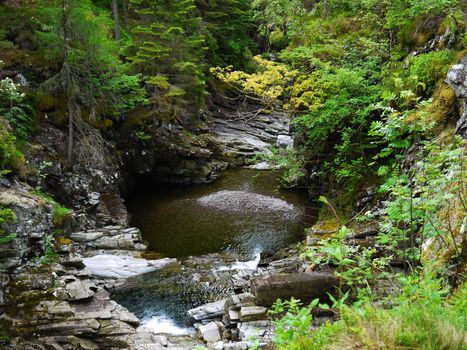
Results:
<point x="240" y="215"/>
<point x="246" y="214"/>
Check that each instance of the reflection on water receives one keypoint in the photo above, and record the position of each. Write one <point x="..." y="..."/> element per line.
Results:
<point x="239" y="216"/>
<point x="242" y="212"/>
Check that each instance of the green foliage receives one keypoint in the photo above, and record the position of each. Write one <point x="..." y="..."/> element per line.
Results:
<point x="92" y="76"/>
<point x="141" y="135"/>
<point x="227" y="26"/>
<point x="430" y="67"/>
<point x="276" y="18"/>
<point x="15" y="108"/>
<point x="402" y="12"/>
<point x="50" y="256"/>
<point x="168" y="51"/>
<point x="286" y="159"/>
<point x="60" y="212"/>
<point x="428" y="203"/>
<point x="295" y="321"/>
<point x="10" y="157"/>
<point x="7" y="216"/>
<point x="424" y="318"/>
<point x="4" y="335"/>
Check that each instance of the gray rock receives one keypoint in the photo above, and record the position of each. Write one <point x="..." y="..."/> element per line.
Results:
<point x="234" y="316"/>
<point x="79" y="290"/>
<point x="84" y="237"/>
<point x="77" y="327"/>
<point x="243" y="345"/>
<point x="211" y="332"/>
<point x="254" y="329"/>
<point x="208" y="311"/>
<point x="253" y="313"/>
<point x="237" y="346"/>
<point x="457" y="79"/>
<point x="33" y="224"/>
<point x="284" y="141"/>
<point x="235" y="302"/>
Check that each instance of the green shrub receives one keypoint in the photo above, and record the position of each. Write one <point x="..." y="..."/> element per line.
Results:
<point x="50" y="255"/>
<point x="60" y="212"/>
<point x="15" y="108"/>
<point x="7" y="216"/>
<point x="10" y="157"/>
<point x="424" y="318"/>
<point x="431" y="67"/>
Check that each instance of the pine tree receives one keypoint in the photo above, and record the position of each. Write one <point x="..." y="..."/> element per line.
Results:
<point x="90" y="78"/>
<point x="229" y="27"/>
<point x="169" y="51"/>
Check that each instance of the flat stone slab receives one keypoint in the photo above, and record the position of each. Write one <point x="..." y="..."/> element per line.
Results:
<point x="253" y="313"/>
<point x="114" y="266"/>
<point x="303" y="286"/>
<point x="84" y="237"/>
<point x="208" y="311"/>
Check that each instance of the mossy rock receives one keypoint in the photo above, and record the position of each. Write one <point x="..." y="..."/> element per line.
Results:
<point x="326" y="227"/>
<point x="444" y="105"/>
<point x="152" y="255"/>
<point x="63" y="240"/>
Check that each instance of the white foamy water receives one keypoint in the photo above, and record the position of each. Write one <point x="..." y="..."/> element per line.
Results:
<point x="251" y="265"/>
<point x="246" y="202"/>
<point x="164" y="325"/>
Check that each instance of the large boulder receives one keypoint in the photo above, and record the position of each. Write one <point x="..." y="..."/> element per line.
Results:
<point x="303" y="286"/>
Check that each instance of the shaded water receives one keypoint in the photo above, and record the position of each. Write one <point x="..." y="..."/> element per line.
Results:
<point x="242" y="212"/>
<point x="237" y="217"/>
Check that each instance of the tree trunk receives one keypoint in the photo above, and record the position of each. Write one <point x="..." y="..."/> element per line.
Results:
<point x="70" y="132"/>
<point x="116" y="20"/>
<point x="125" y="13"/>
<point x="67" y="81"/>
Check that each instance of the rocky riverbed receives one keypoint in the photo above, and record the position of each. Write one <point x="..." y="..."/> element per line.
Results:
<point x="70" y="299"/>
<point x="68" y="304"/>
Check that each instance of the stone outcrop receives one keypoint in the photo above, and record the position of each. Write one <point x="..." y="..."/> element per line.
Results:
<point x="170" y="154"/>
<point x="243" y="134"/>
<point x="33" y="224"/>
<point x="94" y="191"/>
<point x="109" y="238"/>
<point x="457" y="79"/>
<point x="65" y="305"/>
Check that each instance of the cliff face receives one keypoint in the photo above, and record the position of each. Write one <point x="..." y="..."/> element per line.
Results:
<point x="33" y="225"/>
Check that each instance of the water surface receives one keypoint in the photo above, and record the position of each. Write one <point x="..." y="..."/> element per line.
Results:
<point x="228" y="222"/>
<point x="243" y="212"/>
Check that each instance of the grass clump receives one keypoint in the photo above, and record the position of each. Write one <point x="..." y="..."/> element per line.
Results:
<point x="7" y="216"/>
<point x="60" y="212"/>
<point x="424" y="318"/>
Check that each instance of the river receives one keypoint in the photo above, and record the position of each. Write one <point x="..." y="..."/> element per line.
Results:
<point x="211" y="229"/>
